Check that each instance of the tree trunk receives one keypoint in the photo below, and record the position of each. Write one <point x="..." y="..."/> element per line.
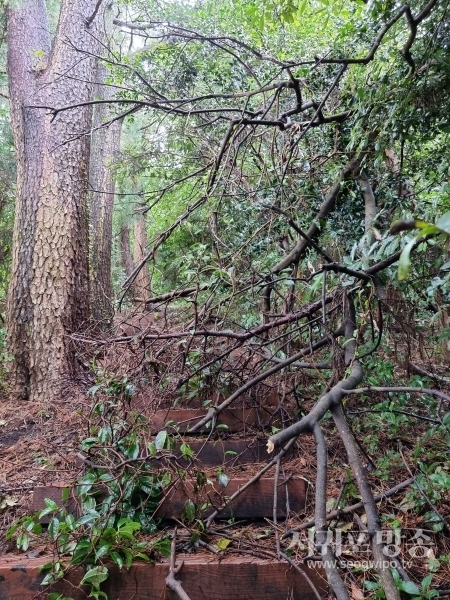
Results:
<point x="48" y="297"/>
<point x="105" y="143"/>
<point x="125" y="249"/>
<point x="370" y="204"/>
<point x="142" y="283"/>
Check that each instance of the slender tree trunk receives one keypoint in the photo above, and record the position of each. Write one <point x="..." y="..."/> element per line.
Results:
<point x="125" y="249"/>
<point x="370" y="204"/>
<point x="49" y="294"/>
<point x="105" y="143"/>
<point x="142" y="283"/>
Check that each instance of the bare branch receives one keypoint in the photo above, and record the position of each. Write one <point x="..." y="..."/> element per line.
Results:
<point x="171" y="582"/>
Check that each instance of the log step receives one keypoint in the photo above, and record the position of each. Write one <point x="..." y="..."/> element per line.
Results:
<point x="203" y="578"/>
<point x="219" y="453"/>
<point x="256" y="502"/>
<point x="226" y="453"/>
<point x="232" y="420"/>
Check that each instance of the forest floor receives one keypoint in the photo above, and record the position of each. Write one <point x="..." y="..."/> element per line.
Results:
<point x="40" y="445"/>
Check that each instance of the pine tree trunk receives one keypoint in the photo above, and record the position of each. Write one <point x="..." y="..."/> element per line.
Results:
<point x="48" y="297"/>
<point x="142" y="283"/>
<point x="125" y="249"/>
<point x="105" y="143"/>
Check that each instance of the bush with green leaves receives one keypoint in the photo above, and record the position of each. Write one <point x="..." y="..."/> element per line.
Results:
<point x="116" y="498"/>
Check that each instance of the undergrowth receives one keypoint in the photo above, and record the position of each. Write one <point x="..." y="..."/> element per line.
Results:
<point x="115" y="499"/>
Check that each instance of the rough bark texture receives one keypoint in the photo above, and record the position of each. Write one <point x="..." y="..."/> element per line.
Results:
<point x="125" y="249"/>
<point x="49" y="296"/>
<point x="142" y="283"/>
<point x="105" y="143"/>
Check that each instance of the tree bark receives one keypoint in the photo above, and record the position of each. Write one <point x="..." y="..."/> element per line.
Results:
<point x="48" y="297"/>
<point x="370" y="204"/>
<point x="125" y="249"/>
<point x="105" y="145"/>
<point x="142" y="283"/>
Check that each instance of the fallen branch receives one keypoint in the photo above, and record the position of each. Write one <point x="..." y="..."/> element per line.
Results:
<point x="336" y="582"/>
<point x="302" y="573"/>
<point x="419" y="371"/>
<point x="171" y="582"/>
<point x="339" y="512"/>
<point x="216" y="410"/>
<point x="175" y="294"/>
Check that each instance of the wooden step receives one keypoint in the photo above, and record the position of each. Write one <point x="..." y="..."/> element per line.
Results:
<point x="230" y="420"/>
<point x="238" y="577"/>
<point x="219" y="453"/>
<point x="255" y="502"/>
<point x="226" y="453"/>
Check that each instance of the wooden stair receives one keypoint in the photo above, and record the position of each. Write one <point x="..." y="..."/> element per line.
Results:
<point x="203" y="578"/>
<point x="229" y="575"/>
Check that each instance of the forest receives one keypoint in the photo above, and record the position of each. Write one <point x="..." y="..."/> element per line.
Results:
<point x="225" y="299"/>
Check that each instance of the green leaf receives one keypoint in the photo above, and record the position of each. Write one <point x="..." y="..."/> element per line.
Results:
<point x="117" y="558"/>
<point x="12" y="530"/>
<point x="91" y="516"/>
<point x="409" y="587"/>
<point x="51" y="504"/>
<point x="152" y="448"/>
<point x="186" y="450"/>
<point x="102" y="550"/>
<point x="132" y="451"/>
<point x="53" y="527"/>
<point x="189" y="510"/>
<point x="126" y="528"/>
<point x="142" y="556"/>
<point x="429" y="230"/>
<point x="128" y="557"/>
<point x="163" y="546"/>
<point x="23" y="541"/>
<point x="37" y="529"/>
<point x="371" y="585"/>
<point x="95" y="576"/>
<point x="82" y="550"/>
<point x="87" y="443"/>
<point x="96" y="594"/>
<point x="161" y="439"/>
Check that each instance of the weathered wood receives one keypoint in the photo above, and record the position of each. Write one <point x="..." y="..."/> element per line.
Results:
<point x="221" y="452"/>
<point x="235" y="419"/>
<point x="203" y="578"/>
<point x="254" y="502"/>
<point x="226" y="453"/>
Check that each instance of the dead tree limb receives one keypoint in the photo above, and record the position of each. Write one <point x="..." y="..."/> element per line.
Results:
<point x="339" y="512"/>
<point x="171" y="582"/>
<point x="328" y="558"/>
<point x="213" y="412"/>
